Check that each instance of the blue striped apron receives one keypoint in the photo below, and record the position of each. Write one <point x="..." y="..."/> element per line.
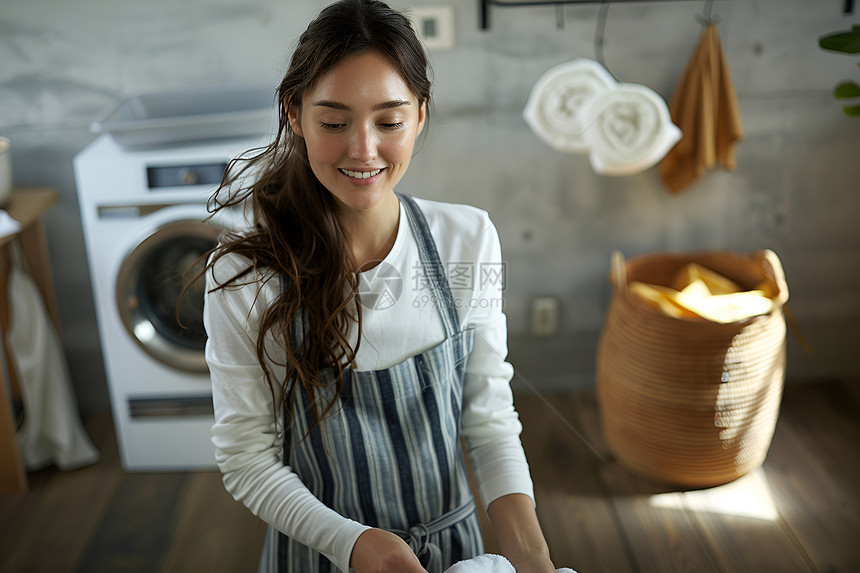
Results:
<point x="388" y="454"/>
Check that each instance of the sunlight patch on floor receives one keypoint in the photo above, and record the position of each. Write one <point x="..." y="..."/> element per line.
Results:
<point x="748" y="496"/>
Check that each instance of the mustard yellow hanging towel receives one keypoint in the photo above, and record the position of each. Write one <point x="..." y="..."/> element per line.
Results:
<point x="705" y="107"/>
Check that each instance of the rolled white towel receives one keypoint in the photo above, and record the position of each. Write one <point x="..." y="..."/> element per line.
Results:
<point x="554" y="107"/>
<point x="489" y="563"/>
<point x="632" y="130"/>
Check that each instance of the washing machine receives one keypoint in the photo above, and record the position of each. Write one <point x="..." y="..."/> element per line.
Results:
<point x="144" y="219"/>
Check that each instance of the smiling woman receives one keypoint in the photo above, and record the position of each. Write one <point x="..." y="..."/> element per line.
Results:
<point x="340" y="399"/>
<point x="360" y="136"/>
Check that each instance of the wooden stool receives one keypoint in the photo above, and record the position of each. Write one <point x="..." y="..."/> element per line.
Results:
<point x="26" y="207"/>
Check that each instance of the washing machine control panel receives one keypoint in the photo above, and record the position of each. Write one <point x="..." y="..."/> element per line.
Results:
<point x="109" y="175"/>
<point x="183" y="175"/>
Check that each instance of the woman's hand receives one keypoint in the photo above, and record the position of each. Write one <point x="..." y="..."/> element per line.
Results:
<point x="519" y="534"/>
<point x="379" y="551"/>
<point x="538" y="563"/>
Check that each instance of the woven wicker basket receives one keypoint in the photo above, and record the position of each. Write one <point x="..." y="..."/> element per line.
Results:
<point x="687" y="402"/>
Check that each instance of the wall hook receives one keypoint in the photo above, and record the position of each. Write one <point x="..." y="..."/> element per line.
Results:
<point x="706" y="18"/>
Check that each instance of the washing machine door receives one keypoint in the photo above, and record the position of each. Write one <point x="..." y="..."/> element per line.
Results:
<point x="159" y="306"/>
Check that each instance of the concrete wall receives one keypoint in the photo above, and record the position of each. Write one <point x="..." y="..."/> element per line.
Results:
<point x="63" y="64"/>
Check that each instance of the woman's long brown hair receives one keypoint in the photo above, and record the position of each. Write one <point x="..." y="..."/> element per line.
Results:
<point x="297" y="236"/>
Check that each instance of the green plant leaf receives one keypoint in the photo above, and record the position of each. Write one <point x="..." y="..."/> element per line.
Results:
<point x="846" y="90"/>
<point x="852" y="110"/>
<point x="845" y="42"/>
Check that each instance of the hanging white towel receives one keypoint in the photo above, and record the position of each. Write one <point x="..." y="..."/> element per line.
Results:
<point x="631" y="130"/>
<point x="8" y="225"/>
<point x="52" y="430"/>
<point x="554" y="108"/>
<point x="489" y="563"/>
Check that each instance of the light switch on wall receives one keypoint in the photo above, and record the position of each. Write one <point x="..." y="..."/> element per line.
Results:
<point x="434" y="25"/>
<point x="545" y="316"/>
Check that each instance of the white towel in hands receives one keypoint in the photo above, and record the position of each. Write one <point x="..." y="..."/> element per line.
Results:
<point x="489" y="563"/>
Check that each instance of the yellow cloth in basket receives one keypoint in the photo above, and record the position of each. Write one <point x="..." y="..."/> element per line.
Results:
<point x="700" y="293"/>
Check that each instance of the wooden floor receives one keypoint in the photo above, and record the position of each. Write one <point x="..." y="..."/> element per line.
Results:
<point x="799" y="512"/>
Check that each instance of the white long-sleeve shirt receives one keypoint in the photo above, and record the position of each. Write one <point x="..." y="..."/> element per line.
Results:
<point x="247" y="438"/>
